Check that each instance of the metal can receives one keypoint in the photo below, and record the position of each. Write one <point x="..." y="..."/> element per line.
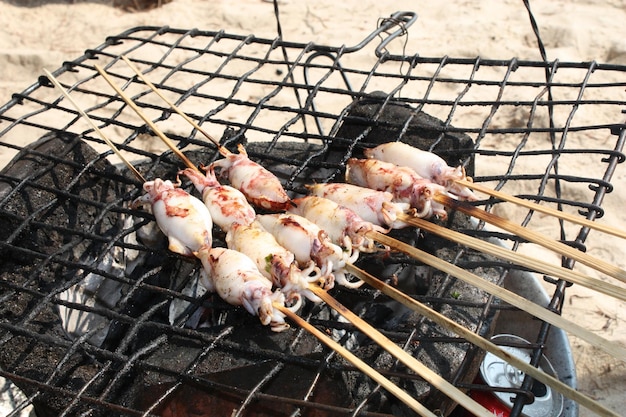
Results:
<point x="497" y="373"/>
<point x="491" y="403"/>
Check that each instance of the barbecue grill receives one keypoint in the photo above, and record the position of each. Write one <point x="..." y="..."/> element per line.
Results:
<point x="98" y="318"/>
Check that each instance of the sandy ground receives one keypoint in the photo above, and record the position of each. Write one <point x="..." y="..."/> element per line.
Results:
<point x="40" y="34"/>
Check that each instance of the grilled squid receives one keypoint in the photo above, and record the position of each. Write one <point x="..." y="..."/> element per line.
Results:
<point x="344" y="227"/>
<point x="377" y="207"/>
<point x="184" y="219"/>
<point x="226" y="204"/>
<point x="237" y="280"/>
<point x="426" y="164"/>
<point x="260" y="186"/>
<point x="403" y="182"/>
<point x="307" y="242"/>
<point x="274" y="261"/>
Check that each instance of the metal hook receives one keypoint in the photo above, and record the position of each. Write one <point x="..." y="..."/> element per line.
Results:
<point x="391" y="22"/>
<point x="402" y="20"/>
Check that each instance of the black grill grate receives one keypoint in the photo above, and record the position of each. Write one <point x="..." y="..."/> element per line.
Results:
<point x="292" y="104"/>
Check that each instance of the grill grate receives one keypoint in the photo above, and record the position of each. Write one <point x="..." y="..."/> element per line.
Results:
<point x="302" y="109"/>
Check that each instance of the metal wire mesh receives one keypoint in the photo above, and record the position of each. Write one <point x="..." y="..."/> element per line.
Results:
<point x="291" y="104"/>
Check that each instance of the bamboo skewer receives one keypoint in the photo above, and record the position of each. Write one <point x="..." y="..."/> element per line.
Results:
<point x="149" y="122"/>
<point x="534" y="237"/>
<point x="429" y="376"/>
<point x="543" y="209"/>
<point x="412" y="363"/>
<point x="519" y="259"/>
<point x="196" y="126"/>
<point x="482" y="343"/>
<point x="93" y="125"/>
<point x="614" y="349"/>
<point x="359" y="364"/>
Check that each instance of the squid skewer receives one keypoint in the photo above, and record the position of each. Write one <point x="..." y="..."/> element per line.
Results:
<point x="274" y="261"/>
<point x="436" y="168"/>
<point x="184" y="219"/>
<point x="344" y="227"/>
<point x="237" y="280"/>
<point x="227" y="205"/>
<point x="307" y="241"/>
<point x="386" y="175"/>
<point x="260" y="186"/>
<point x="425" y="164"/>
<point x="186" y="223"/>
<point x="404" y="183"/>
<point x="377" y="207"/>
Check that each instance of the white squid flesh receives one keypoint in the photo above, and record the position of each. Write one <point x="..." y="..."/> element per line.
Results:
<point x="274" y="261"/>
<point x="377" y="207"/>
<point x="344" y="227"/>
<point x="260" y="186"/>
<point x="403" y="182"/>
<point x="237" y="280"/>
<point x="226" y="204"/>
<point x="426" y="164"/>
<point x="184" y="219"/>
<point x="307" y="242"/>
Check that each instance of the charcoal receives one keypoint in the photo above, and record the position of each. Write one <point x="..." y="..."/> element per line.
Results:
<point x="231" y="368"/>
<point x="56" y="181"/>
<point x="49" y="193"/>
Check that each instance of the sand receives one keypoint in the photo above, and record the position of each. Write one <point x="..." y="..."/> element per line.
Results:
<point x="38" y="34"/>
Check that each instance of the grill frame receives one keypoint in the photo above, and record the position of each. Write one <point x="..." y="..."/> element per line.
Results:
<point x="593" y="208"/>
